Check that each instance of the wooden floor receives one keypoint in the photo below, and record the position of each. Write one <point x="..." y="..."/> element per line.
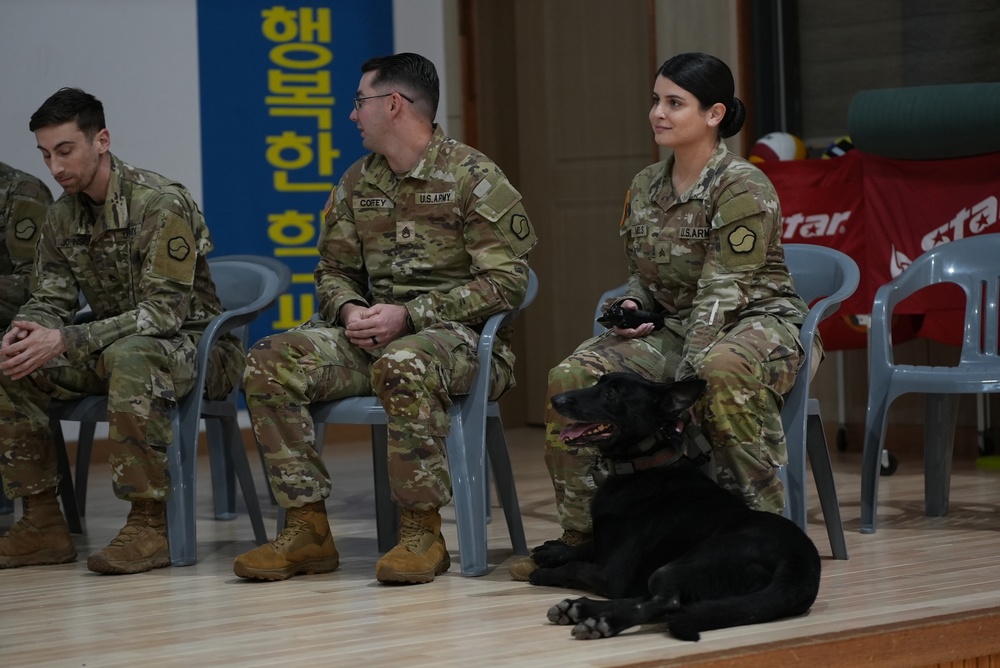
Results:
<point x="921" y="591"/>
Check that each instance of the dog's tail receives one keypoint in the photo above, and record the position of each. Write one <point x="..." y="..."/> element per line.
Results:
<point x="791" y="592"/>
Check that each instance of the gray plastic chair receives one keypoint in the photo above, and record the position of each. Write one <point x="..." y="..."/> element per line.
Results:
<point x="476" y="436"/>
<point x="824" y="278"/>
<point x="246" y="285"/>
<point x="971" y="264"/>
<point x="829" y="276"/>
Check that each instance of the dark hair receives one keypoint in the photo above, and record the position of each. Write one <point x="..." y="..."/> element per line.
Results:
<point x="70" y="104"/>
<point x="711" y="81"/>
<point x="412" y="73"/>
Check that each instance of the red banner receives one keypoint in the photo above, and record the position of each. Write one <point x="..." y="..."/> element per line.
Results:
<point x="885" y="213"/>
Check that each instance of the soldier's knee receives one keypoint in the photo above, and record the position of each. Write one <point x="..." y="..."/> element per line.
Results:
<point x="133" y="352"/>
<point x="412" y="371"/>
<point x="727" y="363"/>
<point x="262" y="359"/>
<point x="570" y="374"/>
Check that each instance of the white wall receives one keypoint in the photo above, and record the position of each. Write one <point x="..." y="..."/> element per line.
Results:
<point x="419" y="27"/>
<point x="139" y="57"/>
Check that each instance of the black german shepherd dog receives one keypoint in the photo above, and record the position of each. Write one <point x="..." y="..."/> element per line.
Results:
<point x="669" y="544"/>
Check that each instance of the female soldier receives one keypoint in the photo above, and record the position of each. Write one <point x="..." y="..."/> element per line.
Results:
<point x="702" y="236"/>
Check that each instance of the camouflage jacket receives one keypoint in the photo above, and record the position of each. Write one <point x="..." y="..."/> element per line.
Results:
<point x="449" y="240"/>
<point x="708" y="257"/>
<point x="141" y="264"/>
<point x="23" y="201"/>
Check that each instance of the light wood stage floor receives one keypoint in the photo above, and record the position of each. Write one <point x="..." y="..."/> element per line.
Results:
<point x="921" y="591"/>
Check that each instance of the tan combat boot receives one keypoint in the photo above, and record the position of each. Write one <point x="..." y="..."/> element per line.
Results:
<point x="304" y="547"/>
<point x="39" y="537"/>
<point x="521" y="569"/>
<point x="140" y="546"/>
<point x="421" y="553"/>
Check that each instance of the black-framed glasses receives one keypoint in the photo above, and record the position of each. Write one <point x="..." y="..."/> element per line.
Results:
<point x="359" y="100"/>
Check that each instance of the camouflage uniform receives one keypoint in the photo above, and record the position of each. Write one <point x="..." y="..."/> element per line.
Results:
<point x="23" y="201"/>
<point x="449" y="240"/>
<point x="140" y="262"/>
<point x="711" y="260"/>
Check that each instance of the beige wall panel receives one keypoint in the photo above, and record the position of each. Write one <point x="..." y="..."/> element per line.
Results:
<point x="584" y="82"/>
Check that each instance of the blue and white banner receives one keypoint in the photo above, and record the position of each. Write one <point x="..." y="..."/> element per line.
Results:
<point x="277" y="82"/>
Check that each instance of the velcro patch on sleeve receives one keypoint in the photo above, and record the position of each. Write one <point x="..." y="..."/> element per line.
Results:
<point x="498" y="201"/>
<point x="742" y="206"/>
<point x="175" y="253"/>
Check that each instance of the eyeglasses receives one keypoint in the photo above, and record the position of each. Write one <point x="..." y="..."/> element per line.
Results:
<point x="359" y="100"/>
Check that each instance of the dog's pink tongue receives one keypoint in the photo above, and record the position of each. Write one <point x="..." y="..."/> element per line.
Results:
<point x="574" y="431"/>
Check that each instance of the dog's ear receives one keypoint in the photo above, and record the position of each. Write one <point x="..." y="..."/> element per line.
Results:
<point x="683" y="394"/>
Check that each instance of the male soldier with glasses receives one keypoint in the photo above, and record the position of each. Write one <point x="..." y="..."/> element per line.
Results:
<point x="422" y="241"/>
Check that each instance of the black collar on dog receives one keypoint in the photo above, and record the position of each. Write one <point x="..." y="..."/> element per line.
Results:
<point x="696" y="448"/>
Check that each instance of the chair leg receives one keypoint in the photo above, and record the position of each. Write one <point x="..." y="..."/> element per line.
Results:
<point x="220" y="460"/>
<point x="467" y="461"/>
<point x="499" y="459"/>
<point x="84" y="447"/>
<point x="871" y="456"/>
<point x="66" y="491"/>
<point x="819" y="457"/>
<point x="782" y="473"/>
<point x="229" y="430"/>
<point x="386" y="512"/>
<point x="941" y="418"/>
<point x="181" y="519"/>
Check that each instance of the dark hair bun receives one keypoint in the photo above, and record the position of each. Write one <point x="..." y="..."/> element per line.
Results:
<point x="732" y="122"/>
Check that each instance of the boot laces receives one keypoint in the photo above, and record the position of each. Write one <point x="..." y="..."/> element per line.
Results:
<point x="411" y="533"/>
<point x="128" y="533"/>
<point x="294" y="527"/>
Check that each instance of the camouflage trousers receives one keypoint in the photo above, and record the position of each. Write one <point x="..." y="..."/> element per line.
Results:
<point x="143" y="377"/>
<point x="748" y="369"/>
<point x="413" y="377"/>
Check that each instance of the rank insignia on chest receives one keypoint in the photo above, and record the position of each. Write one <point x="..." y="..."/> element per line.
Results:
<point x="405" y="231"/>
<point x="694" y="233"/>
<point x="639" y="231"/>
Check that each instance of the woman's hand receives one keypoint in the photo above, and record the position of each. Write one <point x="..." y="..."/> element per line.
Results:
<point x="633" y="332"/>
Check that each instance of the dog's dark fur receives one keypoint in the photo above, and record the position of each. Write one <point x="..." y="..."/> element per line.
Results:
<point x="669" y="544"/>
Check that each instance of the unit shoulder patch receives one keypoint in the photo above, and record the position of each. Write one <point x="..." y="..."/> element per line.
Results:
<point x="174" y="255"/>
<point x="21" y="238"/>
<point x="517" y="233"/>
<point x="743" y="243"/>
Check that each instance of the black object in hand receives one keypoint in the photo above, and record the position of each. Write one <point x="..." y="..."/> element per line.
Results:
<point x="626" y="318"/>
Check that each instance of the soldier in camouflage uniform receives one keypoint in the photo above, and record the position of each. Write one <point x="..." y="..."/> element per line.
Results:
<point x="702" y="235"/>
<point x="134" y="244"/>
<point x="23" y="201"/>
<point x="422" y="241"/>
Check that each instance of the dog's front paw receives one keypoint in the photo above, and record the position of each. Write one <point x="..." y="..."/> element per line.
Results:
<point x="591" y="629"/>
<point x="551" y="553"/>
<point x="565" y="612"/>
